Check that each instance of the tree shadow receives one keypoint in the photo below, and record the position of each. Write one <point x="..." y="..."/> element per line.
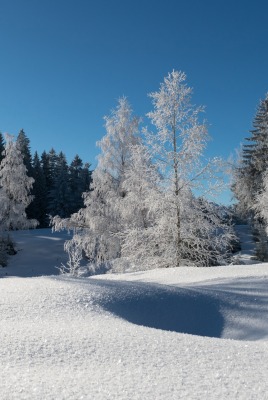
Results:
<point x="163" y="307"/>
<point x="244" y="306"/>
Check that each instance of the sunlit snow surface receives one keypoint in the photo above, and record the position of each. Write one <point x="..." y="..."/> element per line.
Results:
<point x="161" y="334"/>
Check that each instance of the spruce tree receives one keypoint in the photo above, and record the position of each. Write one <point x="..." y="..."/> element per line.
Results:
<point x="39" y="204"/>
<point x="253" y="163"/>
<point x="59" y="195"/>
<point x="250" y="179"/>
<point x="76" y="184"/>
<point x="15" y="189"/>
<point x="23" y="144"/>
<point x="86" y="175"/>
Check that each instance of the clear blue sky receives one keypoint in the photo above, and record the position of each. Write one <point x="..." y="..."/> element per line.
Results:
<point x="64" y="64"/>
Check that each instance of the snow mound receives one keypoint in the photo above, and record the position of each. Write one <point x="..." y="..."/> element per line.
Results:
<point x="161" y="334"/>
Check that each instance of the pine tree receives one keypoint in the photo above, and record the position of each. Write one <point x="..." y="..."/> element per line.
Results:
<point x="15" y="188"/>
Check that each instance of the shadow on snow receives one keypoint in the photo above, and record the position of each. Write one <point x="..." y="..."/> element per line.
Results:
<point x="163" y="307"/>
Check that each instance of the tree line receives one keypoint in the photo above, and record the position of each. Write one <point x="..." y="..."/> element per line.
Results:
<point x="250" y="179"/>
<point x="35" y="188"/>
<point x="146" y="204"/>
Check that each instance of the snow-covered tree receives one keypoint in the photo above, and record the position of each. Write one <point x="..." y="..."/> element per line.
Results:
<point x="253" y="162"/>
<point x="260" y="222"/>
<point x="143" y="210"/>
<point x="23" y="144"/>
<point x="97" y="224"/>
<point x="261" y="205"/>
<point x="15" y="187"/>
<point x="177" y="143"/>
<point x="139" y="212"/>
<point x="250" y="178"/>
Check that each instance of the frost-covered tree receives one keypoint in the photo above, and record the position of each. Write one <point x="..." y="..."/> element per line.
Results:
<point x="139" y="212"/>
<point x="177" y="144"/>
<point x="260" y="222"/>
<point x="253" y="163"/>
<point x="98" y="224"/>
<point x="15" y="188"/>
<point x="23" y="144"/>
<point x="250" y="178"/>
<point x="142" y="211"/>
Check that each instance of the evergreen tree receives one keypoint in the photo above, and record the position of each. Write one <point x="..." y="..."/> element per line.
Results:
<point x="23" y="144"/>
<point x="86" y="176"/>
<point x="53" y="166"/>
<point x="79" y="181"/>
<point x="59" y="195"/>
<point x="15" y="188"/>
<point x="249" y="174"/>
<point x="76" y="184"/>
<point x="39" y="204"/>
<point x="45" y="167"/>
<point x="49" y="165"/>
<point x="250" y="179"/>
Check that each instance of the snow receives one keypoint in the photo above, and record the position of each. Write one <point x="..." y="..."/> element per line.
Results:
<point x="180" y="333"/>
<point x="39" y="253"/>
<point x="248" y="246"/>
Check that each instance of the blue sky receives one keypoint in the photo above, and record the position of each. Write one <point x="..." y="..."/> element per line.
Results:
<point x="64" y="64"/>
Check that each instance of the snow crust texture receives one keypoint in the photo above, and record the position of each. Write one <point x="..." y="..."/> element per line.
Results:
<point x="161" y="334"/>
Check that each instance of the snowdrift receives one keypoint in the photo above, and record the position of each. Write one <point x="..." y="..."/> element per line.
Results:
<point x="161" y="334"/>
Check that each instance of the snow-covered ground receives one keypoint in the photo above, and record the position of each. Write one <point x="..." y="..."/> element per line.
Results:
<point x="247" y="254"/>
<point x="187" y="333"/>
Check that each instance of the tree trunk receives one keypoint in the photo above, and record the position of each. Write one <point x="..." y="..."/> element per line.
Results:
<point x="176" y="177"/>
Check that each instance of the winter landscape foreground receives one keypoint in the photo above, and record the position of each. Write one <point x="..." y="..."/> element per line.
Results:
<point x="191" y="333"/>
